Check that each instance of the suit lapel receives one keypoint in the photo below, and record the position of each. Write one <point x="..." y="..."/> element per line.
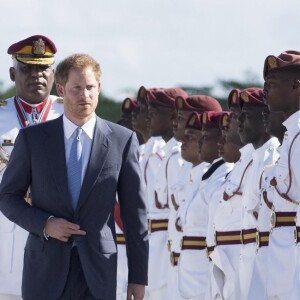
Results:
<point x="55" y="153"/>
<point x="100" y="149"/>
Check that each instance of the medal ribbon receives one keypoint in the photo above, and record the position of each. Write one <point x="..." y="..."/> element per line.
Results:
<point x="22" y="108"/>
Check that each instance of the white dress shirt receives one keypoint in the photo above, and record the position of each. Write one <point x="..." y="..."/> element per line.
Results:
<point x="86" y="139"/>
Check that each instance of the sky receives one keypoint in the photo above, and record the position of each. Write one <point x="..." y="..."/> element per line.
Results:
<point x="157" y="43"/>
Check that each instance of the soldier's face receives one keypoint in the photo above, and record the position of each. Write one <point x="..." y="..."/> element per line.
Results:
<point x="179" y="124"/>
<point x="33" y="82"/>
<point x="251" y="126"/>
<point x="160" y="120"/>
<point x="273" y="123"/>
<point x="189" y="147"/>
<point x="80" y="95"/>
<point x="208" y="144"/>
<point x="278" y="88"/>
<point x="139" y="117"/>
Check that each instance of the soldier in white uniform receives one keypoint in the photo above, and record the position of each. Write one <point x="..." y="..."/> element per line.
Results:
<point x="161" y="113"/>
<point x="33" y="75"/>
<point x="225" y="210"/>
<point x="180" y="176"/>
<point x="282" y="93"/>
<point x="273" y="125"/>
<point x="193" y="262"/>
<point x="152" y="144"/>
<point x="251" y="117"/>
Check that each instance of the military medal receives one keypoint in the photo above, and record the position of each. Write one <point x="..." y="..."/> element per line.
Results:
<point x="38" y="114"/>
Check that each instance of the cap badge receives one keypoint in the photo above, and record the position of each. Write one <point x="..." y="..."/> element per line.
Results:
<point x="39" y="47"/>
<point x="192" y="120"/>
<point x="272" y="62"/>
<point x="180" y="103"/>
<point x="234" y="97"/>
<point x="245" y="97"/>
<point x="127" y="104"/>
<point x="204" y="118"/>
<point x="225" y="121"/>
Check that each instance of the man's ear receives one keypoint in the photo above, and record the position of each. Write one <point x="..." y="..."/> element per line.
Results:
<point x="60" y="90"/>
<point x="12" y="73"/>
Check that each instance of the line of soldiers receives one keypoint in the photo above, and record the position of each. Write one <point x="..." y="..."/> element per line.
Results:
<point x="222" y="189"/>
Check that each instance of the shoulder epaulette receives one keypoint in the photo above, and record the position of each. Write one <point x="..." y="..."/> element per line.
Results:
<point x="3" y="102"/>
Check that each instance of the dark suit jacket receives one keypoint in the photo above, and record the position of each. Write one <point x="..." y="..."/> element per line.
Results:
<point x="38" y="160"/>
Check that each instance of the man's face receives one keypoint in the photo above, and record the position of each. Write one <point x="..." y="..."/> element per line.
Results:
<point x="232" y="135"/>
<point x="139" y="117"/>
<point x="251" y="126"/>
<point x="179" y="124"/>
<point x="125" y="120"/>
<point x="273" y="122"/>
<point x="277" y="89"/>
<point x="208" y="143"/>
<point x="33" y="82"/>
<point x="229" y="151"/>
<point x="189" y="147"/>
<point x="80" y="95"/>
<point x="160" y="120"/>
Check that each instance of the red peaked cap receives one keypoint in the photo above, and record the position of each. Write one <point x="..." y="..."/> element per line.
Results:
<point x="128" y="105"/>
<point x="198" y="103"/>
<point x="164" y="97"/>
<point x="211" y="118"/>
<point x="252" y="96"/>
<point x="234" y="98"/>
<point x="284" y="61"/>
<point x="36" y="50"/>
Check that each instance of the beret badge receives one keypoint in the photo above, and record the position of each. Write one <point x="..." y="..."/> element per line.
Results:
<point x="272" y="62"/>
<point x="192" y="120"/>
<point x="244" y="97"/>
<point x="180" y="103"/>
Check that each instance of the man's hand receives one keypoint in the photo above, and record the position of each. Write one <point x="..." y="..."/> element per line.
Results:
<point x="135" y="291"/>
<point x="61" y="229"/>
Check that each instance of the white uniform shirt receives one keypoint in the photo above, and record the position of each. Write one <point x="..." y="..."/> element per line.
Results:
<point x="226" y="216"/>
<point x="281" y="277"/>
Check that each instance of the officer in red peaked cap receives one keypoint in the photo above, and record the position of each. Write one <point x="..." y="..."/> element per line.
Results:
<point x="33" y="76"/>
<point x="32" y="69"/>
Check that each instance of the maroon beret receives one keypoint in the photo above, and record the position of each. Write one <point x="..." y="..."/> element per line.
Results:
<point x="164" y="97"/>
<point x="199" y="103"/>
<point x="211" y="118"/>
<point x="252" y="96"/>
<point x="286" y="60"/>
<point x="36" y="50"/>
<point x="128" y="105"/>
<point x="194" y="121"/>
<point x="233" y="98"/>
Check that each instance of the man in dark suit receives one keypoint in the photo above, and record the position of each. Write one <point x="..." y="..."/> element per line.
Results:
<point x="74" y="166"/>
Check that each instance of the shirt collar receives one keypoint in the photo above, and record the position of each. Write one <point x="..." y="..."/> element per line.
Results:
<point x="293" y="121"/>
<point x="88" y="127"/>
